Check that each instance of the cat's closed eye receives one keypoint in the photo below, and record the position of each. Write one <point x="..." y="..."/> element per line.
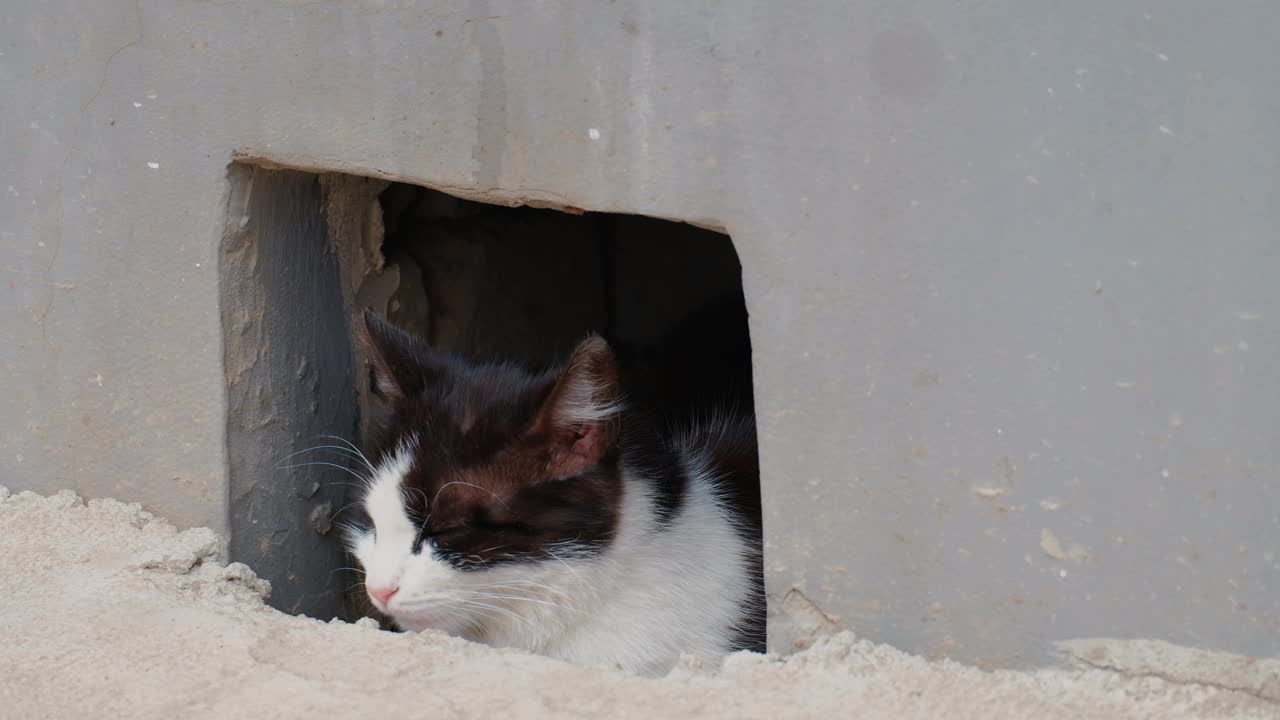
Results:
<point x="476" y="524"/>
<point x="488" y="525"/>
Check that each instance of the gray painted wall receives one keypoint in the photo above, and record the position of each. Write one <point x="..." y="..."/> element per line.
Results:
<point x="290" y="387"/>
<point x="1011" y="266"/>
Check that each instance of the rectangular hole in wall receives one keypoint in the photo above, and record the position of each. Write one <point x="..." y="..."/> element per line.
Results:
<point x="303" y="252"/>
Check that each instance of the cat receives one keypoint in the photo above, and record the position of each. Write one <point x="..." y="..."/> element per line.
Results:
<point x="546" y="510"/>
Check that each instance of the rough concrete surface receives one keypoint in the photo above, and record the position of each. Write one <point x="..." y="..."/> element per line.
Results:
<point x="289" y="379"/>
<point x="109" y="612"/>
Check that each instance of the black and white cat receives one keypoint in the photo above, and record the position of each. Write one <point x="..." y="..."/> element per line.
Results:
<point x="548" y="512"/>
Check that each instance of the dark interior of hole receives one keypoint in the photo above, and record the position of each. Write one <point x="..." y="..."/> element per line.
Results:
<point x="528" y="284"/>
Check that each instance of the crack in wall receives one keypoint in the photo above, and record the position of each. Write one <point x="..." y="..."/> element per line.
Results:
<point x="1259" y="677"/>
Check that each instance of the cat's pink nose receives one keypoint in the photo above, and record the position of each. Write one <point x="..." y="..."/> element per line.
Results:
<point x="382" y="593"/>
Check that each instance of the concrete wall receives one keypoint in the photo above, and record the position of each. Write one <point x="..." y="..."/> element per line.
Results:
<point x="1010" y="266"/>
<point x="290" y="387"/>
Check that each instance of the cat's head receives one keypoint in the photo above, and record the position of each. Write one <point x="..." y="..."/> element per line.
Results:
<point x="487" y="477"/>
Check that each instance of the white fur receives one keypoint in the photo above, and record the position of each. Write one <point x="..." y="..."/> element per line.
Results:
<point x="654" y="594"/>
<point x="584" y="401"/>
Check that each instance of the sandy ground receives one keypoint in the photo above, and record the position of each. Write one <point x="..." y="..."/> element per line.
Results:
<point x="107" y="611"/>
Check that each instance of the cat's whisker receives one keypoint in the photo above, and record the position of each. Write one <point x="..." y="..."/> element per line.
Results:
<point x="566" y="565"/>
<point x="495" y="596"/>
<point x="520" y="584"/>
<point x="423" y="495"/>
<point x="357" y="451"/>
<point x="456" y="614"/>
<point x="358" y="476"/>
<point x="317" y="448"/>
<point x="496" y="608"/>
<point x="349" y="528"/>
<point x="343" y="484"/>
<point x="422" y="529"/>
<point x="463" y="482"/>
<point x="348" y="505"/>
<point x="526" y="586"/>
<point x="449" y="608"/>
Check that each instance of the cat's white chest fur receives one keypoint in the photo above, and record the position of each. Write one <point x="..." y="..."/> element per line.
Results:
<point x="653" y="595"/>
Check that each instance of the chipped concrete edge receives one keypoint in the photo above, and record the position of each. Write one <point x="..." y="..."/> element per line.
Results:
<point x="1255" y="676"/>
<point x="797" y="622"/>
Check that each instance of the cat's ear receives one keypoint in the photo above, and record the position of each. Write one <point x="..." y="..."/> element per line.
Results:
<point x="401" y="362"/>
<point x="579" y="419"/>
